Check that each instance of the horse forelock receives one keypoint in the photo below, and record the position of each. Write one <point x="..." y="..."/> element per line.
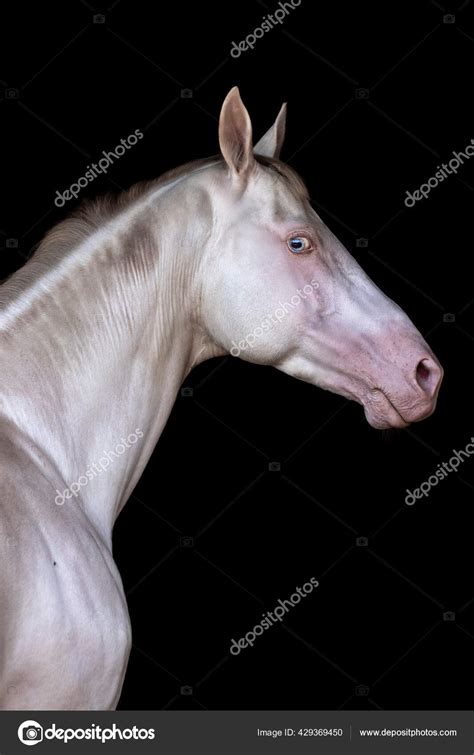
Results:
<point x="290" y="177"/>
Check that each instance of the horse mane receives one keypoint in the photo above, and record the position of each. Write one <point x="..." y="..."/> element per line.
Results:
<point x="91" y="214"/>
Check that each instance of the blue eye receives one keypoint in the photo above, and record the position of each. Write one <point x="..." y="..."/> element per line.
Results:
<point x="298" y="244"/>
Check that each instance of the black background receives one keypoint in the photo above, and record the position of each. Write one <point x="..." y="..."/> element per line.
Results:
<point x="378" y="95"/>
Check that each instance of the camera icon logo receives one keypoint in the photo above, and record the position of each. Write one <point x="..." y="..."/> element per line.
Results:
<point x="30" y="733"/>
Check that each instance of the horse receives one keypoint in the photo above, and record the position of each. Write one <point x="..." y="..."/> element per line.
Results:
<point x="97" y="332"/>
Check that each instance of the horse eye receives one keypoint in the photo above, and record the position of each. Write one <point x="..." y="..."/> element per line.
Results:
<point x="298" y="244"/>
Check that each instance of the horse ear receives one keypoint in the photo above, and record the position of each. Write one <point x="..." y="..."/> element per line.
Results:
<point x="270" y="144"/>
<point x="235" y="135"/>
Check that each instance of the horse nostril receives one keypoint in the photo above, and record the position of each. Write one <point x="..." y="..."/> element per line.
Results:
<point x="428" y="376"/>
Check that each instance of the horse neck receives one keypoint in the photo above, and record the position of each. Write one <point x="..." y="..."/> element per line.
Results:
<point x="99" y="350"/>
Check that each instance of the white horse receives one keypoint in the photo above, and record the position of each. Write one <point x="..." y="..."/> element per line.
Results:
<point x="98" y="331"/>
